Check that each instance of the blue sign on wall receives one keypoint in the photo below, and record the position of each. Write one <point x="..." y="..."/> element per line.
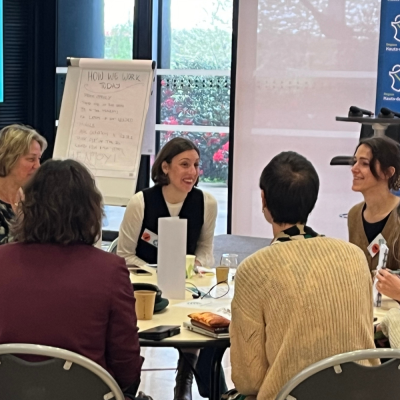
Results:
<point x="388" y="88"/>
<point x="1" y="53"/>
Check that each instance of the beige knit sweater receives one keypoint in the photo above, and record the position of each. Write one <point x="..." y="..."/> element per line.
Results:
<point x="391" y="327"/>
<point x="296" y="303"/>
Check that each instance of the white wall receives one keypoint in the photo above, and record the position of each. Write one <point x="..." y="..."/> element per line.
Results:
<point x="296" y="71"/>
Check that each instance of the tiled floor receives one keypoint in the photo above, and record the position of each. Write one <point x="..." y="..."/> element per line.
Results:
<point x="158" y="375"/>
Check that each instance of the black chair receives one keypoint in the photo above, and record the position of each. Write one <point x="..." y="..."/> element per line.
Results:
<point x="65" y="376"/>
<point x="392" y="131"/>
<point x="339" y="377"/>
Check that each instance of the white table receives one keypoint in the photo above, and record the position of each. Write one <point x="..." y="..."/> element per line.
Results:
<point x="175" y="315"/>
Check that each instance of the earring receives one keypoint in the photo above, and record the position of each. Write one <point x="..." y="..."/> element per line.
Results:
<point x="396" y="185"/>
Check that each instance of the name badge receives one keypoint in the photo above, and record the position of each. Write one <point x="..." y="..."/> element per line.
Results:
<point x="150" y="237"/>
<point x="373" y="247"/>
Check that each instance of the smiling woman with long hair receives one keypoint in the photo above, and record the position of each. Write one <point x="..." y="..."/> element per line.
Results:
<point x="376" y="172"/>
<point x="175" y="173"/>
<point x="56" y="288"/>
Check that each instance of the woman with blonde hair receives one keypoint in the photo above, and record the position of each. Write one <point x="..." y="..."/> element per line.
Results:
<point x="20" y="150"/>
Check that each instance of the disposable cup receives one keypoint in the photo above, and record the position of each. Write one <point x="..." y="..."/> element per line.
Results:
<point x="144" y="304"/>
<point x="222" y="273"/>
<point x="190" y="260"/>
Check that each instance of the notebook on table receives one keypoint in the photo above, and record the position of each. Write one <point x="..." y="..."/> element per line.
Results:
<point x="208" y="332"/>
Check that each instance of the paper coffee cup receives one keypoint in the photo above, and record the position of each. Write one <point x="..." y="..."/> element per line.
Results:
<point x="144" y="307"/>
<point x="190" y="260"/>
<point x="222" y="273"/>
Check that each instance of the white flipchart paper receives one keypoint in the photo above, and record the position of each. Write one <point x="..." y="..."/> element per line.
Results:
<point x="107" y="130"/>
<point x="171" y="270"/>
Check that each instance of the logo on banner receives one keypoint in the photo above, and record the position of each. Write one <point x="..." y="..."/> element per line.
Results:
<point x="396" y="26"/>
<point x="395" y="75"/>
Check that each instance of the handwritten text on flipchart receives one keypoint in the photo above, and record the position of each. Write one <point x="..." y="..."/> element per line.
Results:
<point x="106" y="128"/>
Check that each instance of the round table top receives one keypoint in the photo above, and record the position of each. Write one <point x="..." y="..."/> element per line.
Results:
<point x="175" y="315"/>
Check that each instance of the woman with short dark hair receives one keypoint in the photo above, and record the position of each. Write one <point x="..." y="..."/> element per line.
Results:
<point x="376" y="173"/>
<point x="304" y="298"/>
<point x="20" y="150"/>
<point x="289" y="185"/>
<point x="175" y="173"/>
<point x="56" y="288"/>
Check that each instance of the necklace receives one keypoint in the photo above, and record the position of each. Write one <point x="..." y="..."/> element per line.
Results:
<point x="3" y="198"/>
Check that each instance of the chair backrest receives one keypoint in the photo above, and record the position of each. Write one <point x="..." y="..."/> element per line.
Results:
<point x="113" y="246"/>
<point x="339" y="377"/>
<point x="64" y="376"/>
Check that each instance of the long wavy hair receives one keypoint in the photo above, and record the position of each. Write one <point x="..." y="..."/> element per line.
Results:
<point x="61" y="205"/>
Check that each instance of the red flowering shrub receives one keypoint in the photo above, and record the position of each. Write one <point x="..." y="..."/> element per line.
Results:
<point x="214" y="152"/>
<point x="169" y="103"/>
<point x="218" y="155"/>
<point x="171" y="121"/>
<point x="203" y="101"/>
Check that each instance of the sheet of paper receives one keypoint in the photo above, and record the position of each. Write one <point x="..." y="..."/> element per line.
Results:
<point x="383" y="254"/>
<point x="206" y="304"/>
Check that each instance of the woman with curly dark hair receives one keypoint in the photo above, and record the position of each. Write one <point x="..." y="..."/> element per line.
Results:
<point x="56" y="288"/>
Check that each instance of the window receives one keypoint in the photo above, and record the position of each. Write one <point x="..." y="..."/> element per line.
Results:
<point x="195" y="87"/>
<point x="118" y="29"/>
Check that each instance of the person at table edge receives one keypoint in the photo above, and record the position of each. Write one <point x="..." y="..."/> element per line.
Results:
<point x="376" y="173"/>
<point x="175" y="173"/>
<point x="56" y="288"/>
<point x="20" y="150"/>
<point x="300" y="300"/>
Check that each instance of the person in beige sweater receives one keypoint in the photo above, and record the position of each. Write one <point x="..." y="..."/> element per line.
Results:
<point x="302" y="299"/>
<point x="376" y="172"/>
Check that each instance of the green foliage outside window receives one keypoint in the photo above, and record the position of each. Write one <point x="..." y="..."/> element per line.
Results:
<point x="119" y="41"/>
<point x="197" y="100"/>
<point x="193" y="100"/>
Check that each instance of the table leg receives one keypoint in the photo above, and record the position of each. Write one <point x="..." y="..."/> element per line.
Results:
<point x="216" y="373"/>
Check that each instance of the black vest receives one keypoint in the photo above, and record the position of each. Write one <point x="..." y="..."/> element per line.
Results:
<point x="155" y="207"/>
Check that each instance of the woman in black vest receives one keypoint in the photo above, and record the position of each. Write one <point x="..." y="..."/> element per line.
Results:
<point x="175" y="173"/>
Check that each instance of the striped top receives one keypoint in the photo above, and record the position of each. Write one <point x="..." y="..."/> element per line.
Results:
<point x="6" y="215"/>
<point x="296" y="303"/>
